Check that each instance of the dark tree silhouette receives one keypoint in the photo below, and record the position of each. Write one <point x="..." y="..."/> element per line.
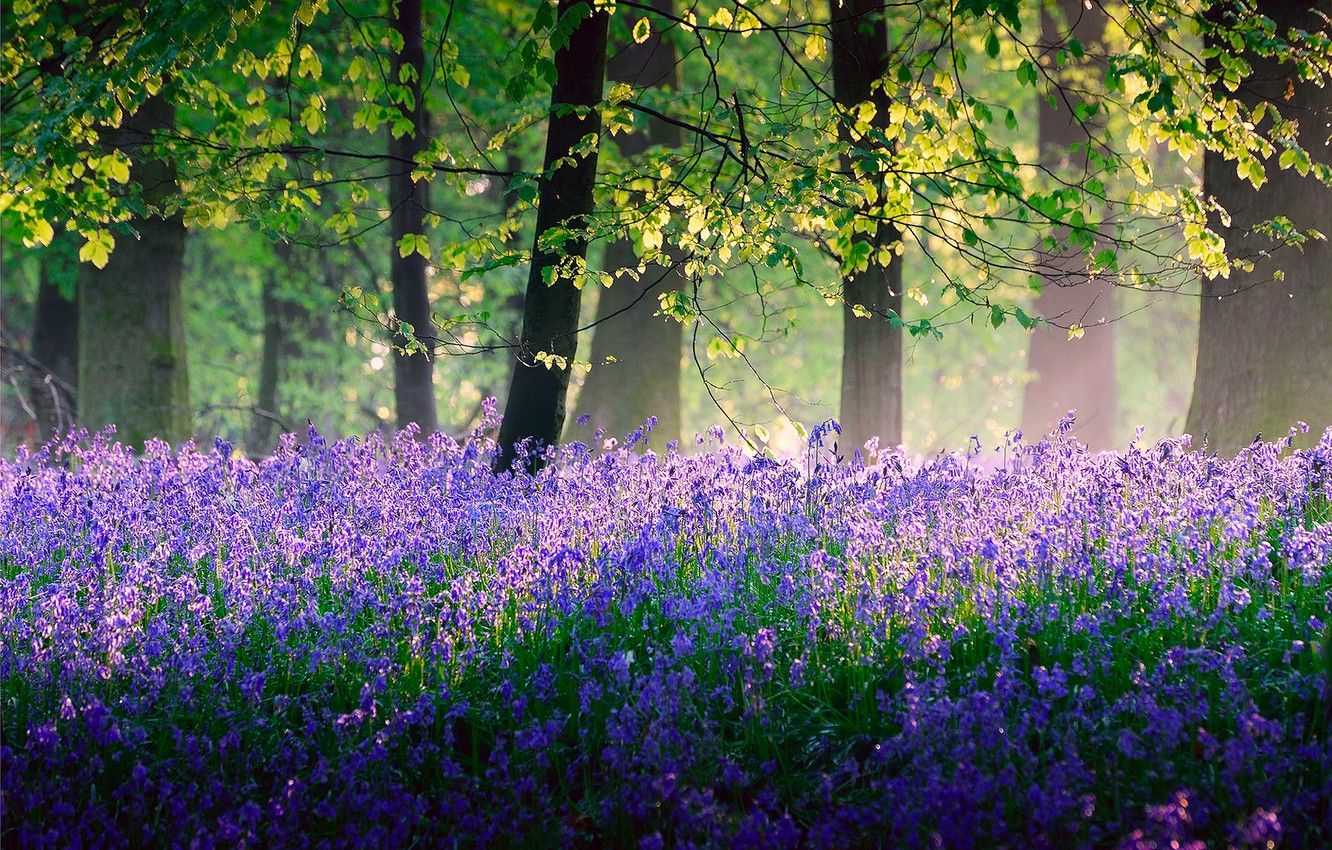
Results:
<point x="536" y="402"/>
<point x="54" y="373"/>
<point x="413" y="372"/>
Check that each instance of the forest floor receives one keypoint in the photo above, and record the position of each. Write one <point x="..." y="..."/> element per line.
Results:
<point x="381" y="643"/>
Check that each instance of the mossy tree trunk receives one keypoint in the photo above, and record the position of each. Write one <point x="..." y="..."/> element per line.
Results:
<point x="132" y="366"/>
<point x="1263" y="354"/>
<point x="535" y="409"/>
<point x="644" y="380"/>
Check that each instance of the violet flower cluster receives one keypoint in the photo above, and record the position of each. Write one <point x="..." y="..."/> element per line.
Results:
<point x="381" y="643"/>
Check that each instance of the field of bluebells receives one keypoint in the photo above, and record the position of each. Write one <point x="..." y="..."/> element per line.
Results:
<point x="379" y="643"/>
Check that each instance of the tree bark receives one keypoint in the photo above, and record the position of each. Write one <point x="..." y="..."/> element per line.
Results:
<point x="644" y="380"/>
<point x="508" y="319"/>
<point x="537" y="394"/>
<point x="413" y="373"/>
<point x="132" y="365"/>
<point x="261" y="430"/>
<point x="55" y="345"/>
<point x="1078" y="374"/>
<point x="871" y="347"/>
<point x="280" y="318"/>
<point x="1263" y="359"/>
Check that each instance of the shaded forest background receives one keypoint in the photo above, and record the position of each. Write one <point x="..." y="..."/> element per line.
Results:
<point x="356" y="187"/>
<point x="337" y="371"/>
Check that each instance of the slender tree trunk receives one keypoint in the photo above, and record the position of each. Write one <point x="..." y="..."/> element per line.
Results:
<point x="1263" y="361"/>
<point x="413" y="373"/>
<point x="1075" y="374"/>
<point x="279" y="323"/>
<point x="644" y="380"/>
<point x="871" y="347"/>
<point x="132" y="366"/>
<point x="261" y="430"/>
<point x="537" y="394"/>
<point x="508" y="321"/>
<point x="55" y="344"/>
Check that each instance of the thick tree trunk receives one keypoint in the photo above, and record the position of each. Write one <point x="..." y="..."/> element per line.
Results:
<point x="871" y="347"/>
<point x="644" y="380"/>
<point x="132" y="366"/>
<point x="1263" y="360"/>
<point x="537" y="394"/>
<point x="1078" y="374"/>
<point x="55" y="346"/>
<point x="413" y="373"/>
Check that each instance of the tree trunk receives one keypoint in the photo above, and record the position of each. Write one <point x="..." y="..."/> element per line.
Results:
<point x="535" y="408"/>
<point x="1078" y="374"/>
<point x="279" y="321"/>
<point x="132" y="366"/>
<point x="55" y="345"/>
<point x="261" y="430"/>
<point x="1263" y="359"/>
<point x="644" y="380"/>
<point x="413" y="372"/>
<point x="871" y="347"/>
<point x="507" y="324"/>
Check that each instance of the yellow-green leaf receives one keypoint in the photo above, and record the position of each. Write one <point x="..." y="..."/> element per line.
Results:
<point x="118" y="167"/>
<point x="413" y="243"/>
<point x="41" y="232"/>
<point x="642" y="30"/>
<point x="97" y="250"/>
<point x="815" y="47"/>
<point x="312" y="117"/>
<point x="309" y="64"/>
<point x="358" y="68"/>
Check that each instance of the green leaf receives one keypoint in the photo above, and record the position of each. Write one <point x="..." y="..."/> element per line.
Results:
<point x="413" y="243"/>
<point x="1252" y="170"/>
<point x="997" y="315"/>
<point x="1026" y="72"/>
<point x="857" y="257"/>
<point x="1295" y="158"/>
<point x="305" y="14"/>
